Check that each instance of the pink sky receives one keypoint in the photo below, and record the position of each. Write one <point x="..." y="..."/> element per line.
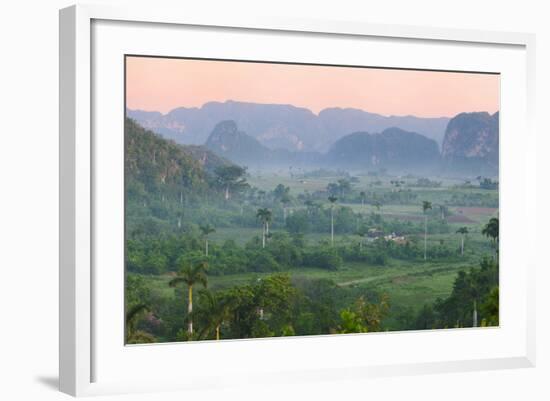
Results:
<point x="162" y="84"/>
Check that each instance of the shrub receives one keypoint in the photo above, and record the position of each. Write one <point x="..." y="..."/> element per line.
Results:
<point x="262" y="261"/>
<point x="323" y="258"/>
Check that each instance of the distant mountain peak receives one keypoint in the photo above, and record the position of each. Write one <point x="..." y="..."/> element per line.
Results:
<point x="471" y="142"/>
<point x="227" y="141"/>
<point x="393" y="148"/>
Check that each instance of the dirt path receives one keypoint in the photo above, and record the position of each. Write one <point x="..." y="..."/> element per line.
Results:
<point x="388" y="278"/>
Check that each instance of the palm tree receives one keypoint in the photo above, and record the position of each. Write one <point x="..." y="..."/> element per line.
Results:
<point x="134" y="336"/>
<point x="215" y="311"/>
<point x="474" y="314"/>
<point x="378" y="205"/>
<point x="443" y="210"/>
<point x="462" y="231"/>
<point x="179" y="215"/>
<point x="332" y="199"/>
<point x="491" y="231"/>
<point x="191" y="276"/>
<point x="285" y="200"/>
<point x="206" y="229"/>
<point x="344" y="186"/>
<point x="265" y="215"/>
<point x="474" y="293"/>
<point x="361" y="233"/>
<point x="425" y="207"/>
<point x="363" y="195"/>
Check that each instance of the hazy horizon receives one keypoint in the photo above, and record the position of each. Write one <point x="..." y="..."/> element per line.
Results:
<point x="301" y="107"/>
<point x="164" y="84"/>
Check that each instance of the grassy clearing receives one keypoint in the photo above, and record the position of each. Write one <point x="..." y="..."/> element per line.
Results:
<point x="407" y="284"/>
<point x="416" y="290"/>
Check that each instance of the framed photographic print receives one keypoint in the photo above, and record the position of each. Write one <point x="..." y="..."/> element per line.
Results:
<point x="279" y="200"/>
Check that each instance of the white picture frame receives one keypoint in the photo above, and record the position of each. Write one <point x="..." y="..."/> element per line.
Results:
<point x="79" y="166"/>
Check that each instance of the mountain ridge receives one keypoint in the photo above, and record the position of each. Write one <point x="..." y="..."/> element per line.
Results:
<point x="281" y="126"/>
<point x="392" y="148"/>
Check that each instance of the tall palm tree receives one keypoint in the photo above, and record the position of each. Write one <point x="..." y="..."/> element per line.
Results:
<point x="265" y="215"/>
<point x="474" y="293"/>
<point x="179" y="215"/>
<point x="363" y="195"/>
<point x="462" y="231"/>
<point x="215" y="310"/>
<point x="191" y="276"/>
<point x="361" y="233"/>
<point x="378" y="205"/>
<point x="491" y="231"/>
<point x="443" y="210"/>
<point x="332" y="199"/>
<point x="425" y="207"/>
<point x="474" y="314"/>
<point x="206" y="230"/>
<point x="285" y="200"/>
<point x="344" y="186"/>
